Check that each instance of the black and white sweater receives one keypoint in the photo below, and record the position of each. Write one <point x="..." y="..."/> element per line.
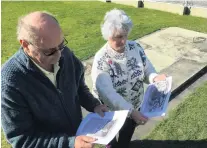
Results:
<point x="118" y="77"/>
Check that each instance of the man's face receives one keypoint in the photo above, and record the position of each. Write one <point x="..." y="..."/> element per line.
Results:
<point x="48" y="49"/>
<point x="47" y="52"/>
<point x="118" y="41"/>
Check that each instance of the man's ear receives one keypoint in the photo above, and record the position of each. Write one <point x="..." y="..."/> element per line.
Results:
<point x="23" y="43"/>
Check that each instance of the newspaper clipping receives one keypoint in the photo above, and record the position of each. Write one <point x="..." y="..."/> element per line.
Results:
<point x="156" y="98"/>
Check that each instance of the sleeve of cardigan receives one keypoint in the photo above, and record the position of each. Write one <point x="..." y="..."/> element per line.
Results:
<point x="87" y="100"/>
<point x="149" y="70"/>
<point x="19" y="128"/>
<point x="104" y="86"/>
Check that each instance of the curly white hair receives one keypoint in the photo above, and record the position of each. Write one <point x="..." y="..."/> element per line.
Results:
<point x="115" y="21"/>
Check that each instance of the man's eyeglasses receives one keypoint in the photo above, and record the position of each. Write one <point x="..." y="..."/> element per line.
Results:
<point x="52" y="51"/>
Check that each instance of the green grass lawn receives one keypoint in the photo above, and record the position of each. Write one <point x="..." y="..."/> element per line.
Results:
<point x="4" y="143"/>
<point x="80" y="22"/>
<point x="187" y="122"/>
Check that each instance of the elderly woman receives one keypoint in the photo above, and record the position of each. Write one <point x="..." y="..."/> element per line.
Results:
<point x="119" y="70"/>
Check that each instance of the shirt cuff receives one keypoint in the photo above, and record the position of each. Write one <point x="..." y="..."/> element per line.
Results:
<point x="130" y="112"/>
<point x="71" y="141"/>
<point x="151" y="77"/>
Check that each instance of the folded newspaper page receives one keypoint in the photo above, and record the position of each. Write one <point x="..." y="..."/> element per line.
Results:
<point x="103" y="128"/>
<point x="156" y="98"/>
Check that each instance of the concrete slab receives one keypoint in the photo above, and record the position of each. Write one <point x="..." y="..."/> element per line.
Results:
<point x="192" y="3"/>
<point x="167" y="7"/>
<point x="199" y="12"/>
<point x="182" y="70"/>
<point x="166" y="46"/>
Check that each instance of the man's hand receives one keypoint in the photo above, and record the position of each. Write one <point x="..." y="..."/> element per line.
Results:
<point x="161" y="77"/>
<point x="138" y="117"/>
<point x="84" y="142"/>
<point x="100" y="109"/>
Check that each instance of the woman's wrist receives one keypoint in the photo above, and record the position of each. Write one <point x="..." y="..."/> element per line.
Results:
<point x="130" y="111"/>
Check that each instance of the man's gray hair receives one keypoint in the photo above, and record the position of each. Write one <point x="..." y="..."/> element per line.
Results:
<point x="115" y="20"/>
<point x="27" y="32"/>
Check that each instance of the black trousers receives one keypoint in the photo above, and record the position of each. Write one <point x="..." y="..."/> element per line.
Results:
<point x="125" y="135"/>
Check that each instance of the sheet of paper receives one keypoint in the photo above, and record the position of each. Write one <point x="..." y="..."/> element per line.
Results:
<point x="156" y="98"/>
<point x="103" y="128"/>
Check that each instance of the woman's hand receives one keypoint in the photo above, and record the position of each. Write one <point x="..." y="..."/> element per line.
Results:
<point x="138" y="117"/>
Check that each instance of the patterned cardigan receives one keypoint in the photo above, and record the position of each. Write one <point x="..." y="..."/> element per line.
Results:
<point x="118" y="77"/>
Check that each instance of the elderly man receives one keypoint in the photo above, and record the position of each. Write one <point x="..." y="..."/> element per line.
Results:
<point x="43" y="88"/>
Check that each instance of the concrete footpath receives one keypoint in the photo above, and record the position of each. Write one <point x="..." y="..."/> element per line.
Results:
<point x="177" y="52"/>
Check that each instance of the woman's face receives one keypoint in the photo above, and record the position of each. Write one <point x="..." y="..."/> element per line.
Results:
<point x="118" y="41"/>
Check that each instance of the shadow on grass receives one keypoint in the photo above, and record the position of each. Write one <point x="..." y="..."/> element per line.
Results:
<point x="168" y="144"/>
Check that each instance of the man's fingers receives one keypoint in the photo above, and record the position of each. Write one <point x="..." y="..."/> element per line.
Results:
<point x="101" y="113"/>
<point x="105" y="108"/>
<point x="88" y="142"/>
<point x="88" y="139"/>
<point x="93" y="145"/>
<point x="101" y="110"/>
<point x="87" y="145"/>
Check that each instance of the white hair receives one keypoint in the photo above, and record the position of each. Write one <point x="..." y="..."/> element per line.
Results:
<point x="26" y="31"/>
<point x="115" y="20"/>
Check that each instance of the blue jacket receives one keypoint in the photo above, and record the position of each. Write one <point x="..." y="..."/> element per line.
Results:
<point x="34" y="112"/>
